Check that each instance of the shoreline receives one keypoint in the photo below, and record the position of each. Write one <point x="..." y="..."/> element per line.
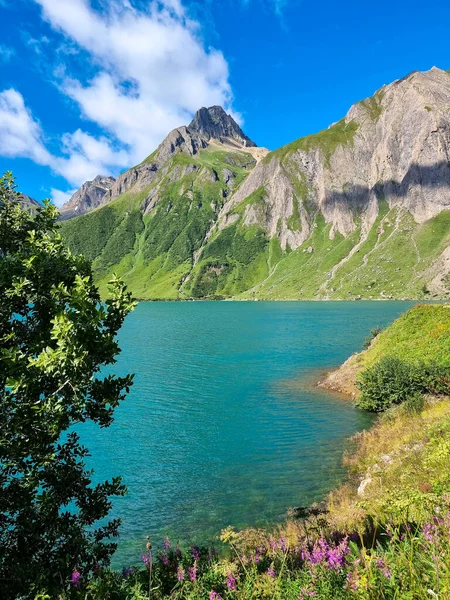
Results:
<point x="342" y="380"/>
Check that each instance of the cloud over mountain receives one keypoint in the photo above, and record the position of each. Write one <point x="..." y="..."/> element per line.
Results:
<point x="133" y="74"/>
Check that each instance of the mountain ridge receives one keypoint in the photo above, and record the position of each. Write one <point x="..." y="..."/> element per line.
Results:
<point x="360" y="209"/>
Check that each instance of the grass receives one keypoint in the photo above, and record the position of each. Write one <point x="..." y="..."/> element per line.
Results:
<point x="373" y="105"/>
<point x="403" y="462"/>
<point x="421" y="334"/>
<point x="256" y="199"/>
<point x="299" y="274"/>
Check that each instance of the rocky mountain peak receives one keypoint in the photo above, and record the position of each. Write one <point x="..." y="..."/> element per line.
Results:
<point x="214" y="122"/>
<point x="90" y="195"/>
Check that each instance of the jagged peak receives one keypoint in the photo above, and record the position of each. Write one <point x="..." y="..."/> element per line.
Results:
<point x="214" y="122"/>
<point x="89" y="196"/>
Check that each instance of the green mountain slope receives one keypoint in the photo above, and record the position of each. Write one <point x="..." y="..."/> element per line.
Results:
<point x="359" y="210"/>
<point x="154" y="250"/>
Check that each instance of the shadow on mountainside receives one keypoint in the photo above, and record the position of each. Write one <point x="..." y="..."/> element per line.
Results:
<point x="357" y="197"/>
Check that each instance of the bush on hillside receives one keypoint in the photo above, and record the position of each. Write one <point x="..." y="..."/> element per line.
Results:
<point x="392" y="381"/>
<point x="373" y="334"/>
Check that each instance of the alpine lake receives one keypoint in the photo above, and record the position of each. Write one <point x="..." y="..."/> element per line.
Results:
<point x="224" y="425"/>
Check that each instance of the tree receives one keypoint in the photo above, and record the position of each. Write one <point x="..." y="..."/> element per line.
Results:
<point x="55" y="336"/>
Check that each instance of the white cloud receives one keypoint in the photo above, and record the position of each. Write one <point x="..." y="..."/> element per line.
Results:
<point x="6" y="53"/>
<point x="82" y="156"/>
<point x="87" y="157"/>
<point x="154" y="71"/>
<point x="59" y="197"/>
<point x="150" y="71"/>
<point x="20" y="133"/>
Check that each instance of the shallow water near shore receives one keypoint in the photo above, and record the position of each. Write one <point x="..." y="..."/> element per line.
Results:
<point x="222" y="426"/>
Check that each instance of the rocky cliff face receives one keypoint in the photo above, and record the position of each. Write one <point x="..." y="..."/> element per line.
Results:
<point x="392" y="147"/>
<point x="214" y="123"/>
<point x="359" y="210"/>
<point x="91" y="195"/>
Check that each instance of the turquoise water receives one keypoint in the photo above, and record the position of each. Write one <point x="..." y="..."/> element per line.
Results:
<point x="222" y="426"/>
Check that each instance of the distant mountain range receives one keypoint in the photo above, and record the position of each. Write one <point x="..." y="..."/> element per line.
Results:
<point x="358" y="210"/>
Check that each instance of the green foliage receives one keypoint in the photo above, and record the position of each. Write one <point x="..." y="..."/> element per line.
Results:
<point x="421" y="334"/>
<point x="373" y="334"/>
<point x="55" y="337"/>
<point x="392" y="381"/>
<point x="89" y="234"/>
<point x="234" y="260"/>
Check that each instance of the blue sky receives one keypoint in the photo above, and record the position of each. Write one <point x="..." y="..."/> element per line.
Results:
<point x="92" y="86"/>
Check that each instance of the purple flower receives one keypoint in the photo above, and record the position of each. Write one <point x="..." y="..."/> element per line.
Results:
<point x="387" y="572"/>
<point x="270" y="572"/>
<point x="193" y="572"/>
<point x="352" y="582"/>
<point x="319" y="552"/>
<point x="146" y="559"/>
<point x="214" y="596"/>
<point x="282" y="544"/>
<point x="164" y="559"/>
<point x="428" y="532"/>
<point x="231" y="581"/>
<point x="195" y="553"/>
<point x="322" y="553"/>
<point x="76" y="576"/>
<point x="273" y="544"/>
<point x="166" y="544"/>
<point x="127" y="571"/>
<point x="181" y="574"/>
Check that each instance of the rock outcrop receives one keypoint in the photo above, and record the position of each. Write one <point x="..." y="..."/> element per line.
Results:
<point x="28" y="203"/>
<point x="392" y="147"/>
<point x="91" y="195"/>
<point x="214" y="123"/>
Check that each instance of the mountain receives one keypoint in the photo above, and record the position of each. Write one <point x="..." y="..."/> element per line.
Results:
<point x="214" y="123"/>
<point x="88" y="197"/>
<point x="358" y="210"/>
<point x="28" y="203"/>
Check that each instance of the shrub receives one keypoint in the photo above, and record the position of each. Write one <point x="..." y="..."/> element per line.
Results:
<point x="55" y="336"/>
<point x="392" y="381"/>
<point x="373" y="334"/>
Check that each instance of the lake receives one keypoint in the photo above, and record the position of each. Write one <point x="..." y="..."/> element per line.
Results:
<point x="222" y="426"/>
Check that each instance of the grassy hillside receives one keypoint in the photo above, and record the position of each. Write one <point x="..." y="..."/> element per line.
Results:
<point x="153" y="251"/>
<point x="391" y="262"/>
<point x="165" y="254"/>
<point x="420" y="335"/>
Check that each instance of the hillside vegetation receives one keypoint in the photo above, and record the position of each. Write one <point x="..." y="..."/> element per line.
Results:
<point x="355" y="211"/>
